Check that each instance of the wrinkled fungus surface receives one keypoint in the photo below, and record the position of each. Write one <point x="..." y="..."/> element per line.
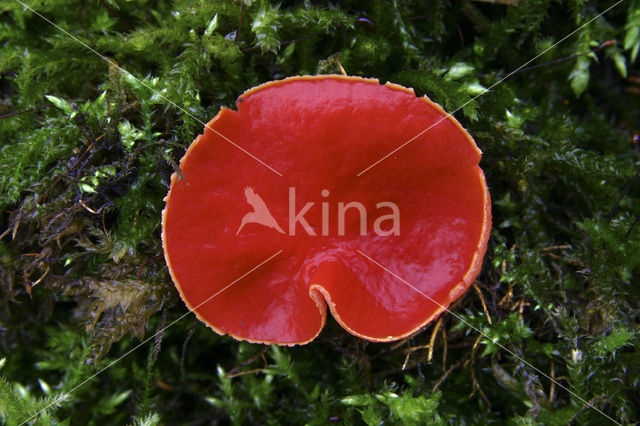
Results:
<point x="231" y="212"/>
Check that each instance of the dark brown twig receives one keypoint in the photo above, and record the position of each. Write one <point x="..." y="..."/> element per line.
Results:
<point x="235" y="371"/>
<point x="484" y="305"/>
<point x="585" y="407"/>
<point x="449" y="371"/>
<point x="603" y="45"/>
<point x="240" y="21"/>
<point x="432" y="340"/>
<point x="24" y="111"/>
<point x="14" y="113"/>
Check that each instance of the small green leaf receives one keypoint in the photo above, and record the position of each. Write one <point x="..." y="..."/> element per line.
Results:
<point x="579" y="76"/>
<point x="620" y="62"/>
<point x="60" y="103"/>
<point x="45" y="387"/>
<point x="265" y="28"/>
<point x="631" y="37"/>
<point x="356" y="400"/>
<point x="151" y="419"/>
<point x="214" y="401"/>
<point x="458" y="71"/>
<point x="85" y="187"/>
<point x="118" y="399"/>
<point x="212" y="26"/>
<point x="632" y="28"/>
<point x="475" y="89"/>
<point x="129" y="134"/>
<point x="634" y="52"/>
<point x="514" y="120"/>
<point x="370" y="417"/>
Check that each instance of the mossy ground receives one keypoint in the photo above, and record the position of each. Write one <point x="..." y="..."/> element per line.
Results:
<point x="86" y="151"/>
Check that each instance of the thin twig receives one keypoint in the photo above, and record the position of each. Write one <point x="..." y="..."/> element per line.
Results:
<point x="446" y="373"/>
<point x="125" y="109"/>
<point x="240" y="21"/>
<point x="560" y="247"/>
<point x="417" y="348"/>
<point x="89" y="209"/>
<point x="521" y="306"/>
<point x="603" y="45"/>
<point x="474" y="380"/>
<point x="433" y="339"/>
<point x="484" y="305"/>
<point x="24" y="111"/>
<point x="14" y="113"/>
<point x="444" y="349"/>
<point x="584" y="407"/>
<point x="406" y="361"/>
<point x="399" y="343"/>
<point x="476" y="387"/>
<point x="244" y="373"/>
<point x="235" y="371"/>
<point x="15" y="228"/>
<point x="474" y="348"/>
<point x="5" y="233"/>
<point x="337" y="61"/>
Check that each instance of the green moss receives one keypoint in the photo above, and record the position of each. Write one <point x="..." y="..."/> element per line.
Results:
<point x="86" y="154"/>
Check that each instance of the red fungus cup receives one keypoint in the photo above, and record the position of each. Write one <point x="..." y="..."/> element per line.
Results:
<point x="301" y="200"/>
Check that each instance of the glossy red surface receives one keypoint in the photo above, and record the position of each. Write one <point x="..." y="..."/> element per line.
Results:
<point x="319" y="133"/>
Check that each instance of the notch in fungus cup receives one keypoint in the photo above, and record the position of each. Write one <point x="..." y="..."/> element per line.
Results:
<point x="232" y="212"/>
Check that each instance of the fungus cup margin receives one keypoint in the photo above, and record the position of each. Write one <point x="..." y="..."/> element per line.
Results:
<point x="320" y="296"/>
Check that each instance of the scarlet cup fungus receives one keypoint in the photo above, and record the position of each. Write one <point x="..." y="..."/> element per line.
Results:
<point x="230" y="212"/>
